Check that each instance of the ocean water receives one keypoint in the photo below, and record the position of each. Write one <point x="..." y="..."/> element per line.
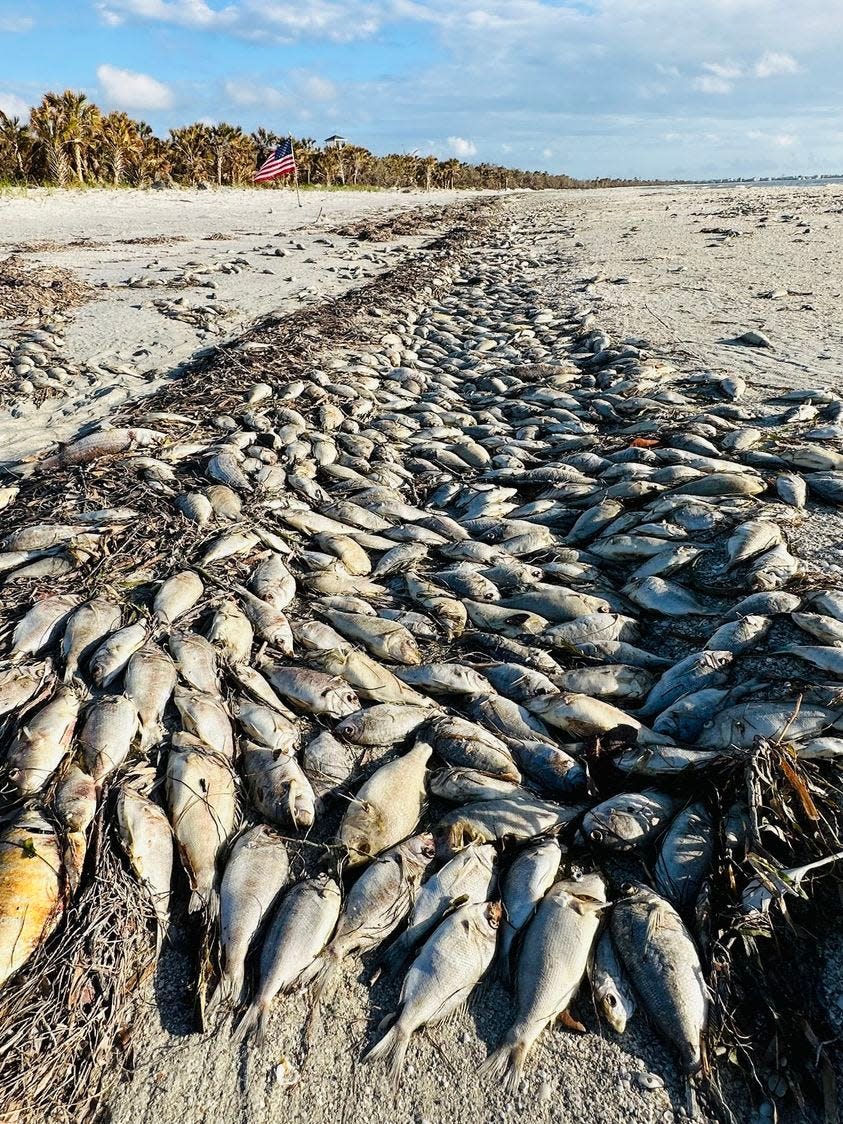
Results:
<point x="784" y="181"/>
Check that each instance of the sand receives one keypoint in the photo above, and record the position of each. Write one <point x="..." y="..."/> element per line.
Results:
<point x="661" y="279"/>
<point x="285" y="256"/>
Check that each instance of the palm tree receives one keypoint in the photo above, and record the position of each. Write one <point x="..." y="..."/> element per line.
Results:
<point x="450" y="171"/>
<point x="190" y="152"/>
<point x="306" y="152"/>
<point x="15" y="146"/>
<point x="49" y="129"/>
<point x="360" y="160"/>
<point x="120" y="143"/>
<point x="428" y="166"/>
<point x="222" y="139"/>
<point x="264" y="142"/>
<point x="81" y="119"/>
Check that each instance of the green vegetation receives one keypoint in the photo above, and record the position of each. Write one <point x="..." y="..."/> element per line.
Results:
<point x="70" y="142"/>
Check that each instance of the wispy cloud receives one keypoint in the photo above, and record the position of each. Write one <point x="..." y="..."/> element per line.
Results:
<point x="11" y="25"/>
<point x="126" y="89"/>
<point x="773" y="63"/>
<point x="13" y="106"/>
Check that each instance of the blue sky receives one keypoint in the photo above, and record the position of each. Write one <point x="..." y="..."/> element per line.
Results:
<point x="673" y="88"/>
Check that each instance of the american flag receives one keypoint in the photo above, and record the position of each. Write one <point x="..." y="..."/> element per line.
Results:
<point x="280" y="163"/>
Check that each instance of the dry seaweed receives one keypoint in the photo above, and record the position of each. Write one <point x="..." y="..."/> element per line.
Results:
<point x="66" y="1015"/>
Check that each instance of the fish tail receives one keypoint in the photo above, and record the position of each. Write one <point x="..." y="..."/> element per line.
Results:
<point x="393" y="958"/>
<point x="325" y="979"/>
<point x="503" y="967"/>
<point x="255" y="1018"/>
<point x="393" y="1049"/>
<point x="506" y="1065"/>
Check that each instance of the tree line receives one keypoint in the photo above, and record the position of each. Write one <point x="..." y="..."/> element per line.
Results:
<point x="68" y="141"/>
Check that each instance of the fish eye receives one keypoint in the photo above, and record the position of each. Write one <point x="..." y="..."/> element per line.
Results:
<point x="596" y="834"/>
<point x="612" y="1000"/>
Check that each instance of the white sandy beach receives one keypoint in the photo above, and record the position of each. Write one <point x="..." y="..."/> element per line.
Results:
<point x="284" y="256"/>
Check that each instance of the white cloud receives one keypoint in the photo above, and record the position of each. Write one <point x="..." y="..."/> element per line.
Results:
<point x="187" y="13"/>
<point x="338" y="20"/>
<point x="247" y="93"/>
<point x="13" y="106"/>
<point x="462" y="147"/>
<point x="723" y="70"/>
<point x="711" y="84"/>
<point x="774" y="63"/>
<point x="12" y="24"/>
<point x="784" y="140"/>
<point x="317" y="89"/>
<point x="129" y="90"/>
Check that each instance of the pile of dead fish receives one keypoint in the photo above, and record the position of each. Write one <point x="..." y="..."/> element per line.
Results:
<point x="493" y="608"/>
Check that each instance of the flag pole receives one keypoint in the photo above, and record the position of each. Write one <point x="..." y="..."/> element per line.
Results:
<point x="295" y="170"/>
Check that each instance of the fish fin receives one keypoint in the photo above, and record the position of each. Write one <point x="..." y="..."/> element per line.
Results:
<point x="393" y="1049"/>
<point x="196" y="903"/>
<point x="393" y="959"/>
<point x="255" y="1017"/>
<point x="655" y="921"/>
<point x="566" y="1019"/>
<point x="506" y="1065"/>
<point x="326" y="977"/>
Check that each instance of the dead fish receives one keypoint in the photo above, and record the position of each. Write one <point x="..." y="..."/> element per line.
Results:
<point x="693" y="673"/>
<point x="112" y="655"/>
<point x="205" y="717"/>
<point x="149" y="681"/>
<point x="196" y="660"/>
<point x="610" y="985"/>
<point x="649" y="936"/>
<point x="382" y="724"/>
<point x="613" y="681"/>
<point x="532" y="873"/>
<point x="447" y="678"/>
<point x="741" y="724"/>
<point x="554" y="956"/>
<point x="387" y="806"/>
<point x="327" y="764"/>
<point x="272" y="581"/>
<point x="741" y="635"/>
<point x="177" y="596"/>
<point x="110" y="728"/>
<point x="21" y="682"/>
<point x="461" y="786"/>
<point x="669" y="599"/>
<point x="255" y="873"/>
<point x="442" y="977"/>
<point x="147" y="839"/>
<point x="203" y="808"/>
<point x="42" y="625"/>
<point x="277" y="787"/>
<point x="230" y="632"/>
<point x="685" y="856"/>
<point x="86" y="628"/>
<point x="103" y="443"/>
<point x="384" y="639"/>
<point x="370" y="679"/>
<point x="467" y="879"/>
<point x="518" y="818"/>
<point x="41" y="742"/>
<point x="751" y="539"/>
<point x="298" y="932"/>
<point x="579" y="715"/>
<point x="628" y="820"/>
<point x="462" y="743"/>
<point x="377" y="903"/>
<point x="817" y="655"/>
<point x="313" y="691"/>
<point x="267" y="726"/>
<point x="31" y="902"/>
